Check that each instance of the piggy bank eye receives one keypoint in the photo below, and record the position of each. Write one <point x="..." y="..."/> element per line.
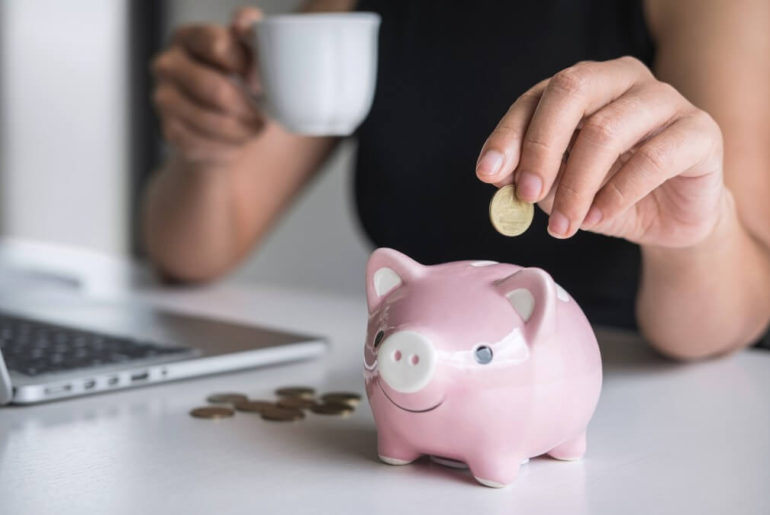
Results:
<point x="378" y="338"/>
<point x="483" y="354"/>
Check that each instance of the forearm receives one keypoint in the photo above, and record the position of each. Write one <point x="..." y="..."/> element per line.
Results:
<point x="188" y="220"/>
<point x="708" y="299"/>
<point x="200" y="221"/>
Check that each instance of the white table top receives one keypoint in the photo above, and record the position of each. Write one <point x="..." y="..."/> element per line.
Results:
<point x="666" y="438"/>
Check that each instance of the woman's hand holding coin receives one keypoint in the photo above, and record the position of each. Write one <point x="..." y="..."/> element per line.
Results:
<point x="605" y="147"/>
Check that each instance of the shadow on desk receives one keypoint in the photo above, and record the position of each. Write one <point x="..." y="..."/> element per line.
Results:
<point x="356" y="443"/>
<point x="359" y="443"/>
<point x="625" y="352"/>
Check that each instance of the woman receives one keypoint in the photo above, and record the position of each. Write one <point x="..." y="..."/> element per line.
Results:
<point x="605" y="113"/>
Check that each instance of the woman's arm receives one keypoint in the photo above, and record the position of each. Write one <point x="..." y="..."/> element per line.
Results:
<point x="231" y="171"/>
<point x="201" y="218"/>
<point x="645" y="162"/>
<point x="715" y="296"/>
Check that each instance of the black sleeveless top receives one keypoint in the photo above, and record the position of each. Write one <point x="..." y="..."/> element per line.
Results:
<point x="448" y="71"/>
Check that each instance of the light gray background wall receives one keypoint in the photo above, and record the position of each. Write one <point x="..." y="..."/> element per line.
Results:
<point x="63" y="150"/>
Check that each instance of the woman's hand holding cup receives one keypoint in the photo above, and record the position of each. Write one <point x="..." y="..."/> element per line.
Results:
<point x="205" y="110"/>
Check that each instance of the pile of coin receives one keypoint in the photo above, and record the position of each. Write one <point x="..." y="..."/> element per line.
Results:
<point x="509" y="215"/>
<point x="292" y="403"/>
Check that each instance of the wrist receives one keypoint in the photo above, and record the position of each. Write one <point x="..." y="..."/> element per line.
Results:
<point x="194" y="173"/>
<point x="180" y="162"/>
<point x="685" y="294"/>
<point x="726" y="226"/>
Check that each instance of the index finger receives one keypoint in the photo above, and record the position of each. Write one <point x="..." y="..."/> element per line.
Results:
<point x="243" y="19"/>
<point x="500" y="154"/>
<point x="571" y="95"/>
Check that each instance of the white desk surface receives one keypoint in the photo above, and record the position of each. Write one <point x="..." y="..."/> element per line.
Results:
<point x="666" y="438"/>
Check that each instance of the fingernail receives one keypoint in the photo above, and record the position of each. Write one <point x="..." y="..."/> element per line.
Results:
<point x="593" y="217"/>
<point x="528" y="187"/>
<point x="558" y="224"/>
<point x="490" y="163"/>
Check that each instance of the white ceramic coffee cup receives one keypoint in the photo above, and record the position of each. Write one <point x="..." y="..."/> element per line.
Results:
<point x="318" y="71"/>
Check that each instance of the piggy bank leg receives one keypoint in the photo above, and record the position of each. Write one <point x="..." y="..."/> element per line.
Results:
<point x="393" y="452"/>
<point x="572" y="449"/>
<point x="495" y="471"/>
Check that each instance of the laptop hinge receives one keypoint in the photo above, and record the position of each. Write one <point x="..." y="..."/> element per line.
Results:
<point x="6" y="392"/>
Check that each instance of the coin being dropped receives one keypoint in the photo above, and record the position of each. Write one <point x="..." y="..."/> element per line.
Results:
<point x="509" y="215"/>
<point x="277" y="414"/>
<point x="212" y="412"/>
<point x="350" y="398"/>
<point x="296" y="402"/>
<point x="332" y="408"/>
<point x="252" y="406"/>
<point x="226" y="398"/>
<point x="295" y="391"/>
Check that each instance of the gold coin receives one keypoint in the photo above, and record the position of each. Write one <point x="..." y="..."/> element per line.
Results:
<point x="252" y="406"/>
<point x="295" y="391"/>
<point x="212" y="412"/>
<point x="277" y="414"/>
<point x="350" y="398"/>
<point x="332" y="408"/>
<point x="509" y="215"/>
<point x="226" y="398"/>
<point x="296" y="402"/>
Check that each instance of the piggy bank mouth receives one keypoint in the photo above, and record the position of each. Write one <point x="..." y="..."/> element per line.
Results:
<point x="423" y="410"/>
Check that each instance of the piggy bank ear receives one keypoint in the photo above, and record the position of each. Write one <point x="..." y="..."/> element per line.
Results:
<point x="386" y="270"/>
<point x="532" y="293"/>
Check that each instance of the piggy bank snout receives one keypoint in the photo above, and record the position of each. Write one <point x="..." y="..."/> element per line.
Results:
<point x="407" y="361"/>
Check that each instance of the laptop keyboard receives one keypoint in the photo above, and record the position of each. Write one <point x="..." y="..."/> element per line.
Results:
<point x="32" y="347"/>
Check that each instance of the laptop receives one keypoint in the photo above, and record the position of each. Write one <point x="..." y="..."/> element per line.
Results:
<point x="56" y="344"/>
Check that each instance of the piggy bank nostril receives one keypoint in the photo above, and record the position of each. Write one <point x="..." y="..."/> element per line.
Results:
<point x="397" y="355"/>
<point x="415" y="359"/>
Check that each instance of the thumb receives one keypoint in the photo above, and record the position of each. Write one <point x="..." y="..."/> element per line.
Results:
<point x="243" y="19"/>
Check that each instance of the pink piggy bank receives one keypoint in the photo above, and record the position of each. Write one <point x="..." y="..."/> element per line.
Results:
<point x="478" y="362"/>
